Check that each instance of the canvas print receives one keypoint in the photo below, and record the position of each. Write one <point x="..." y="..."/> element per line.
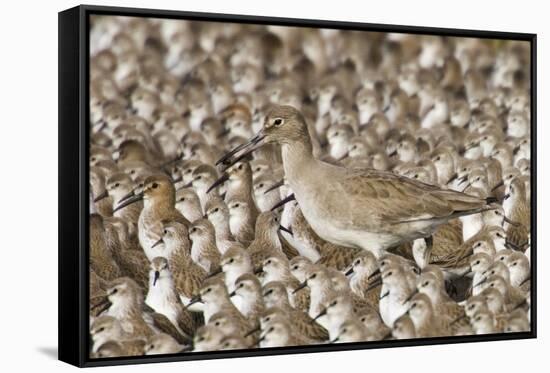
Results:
<point x="261" y="186"/>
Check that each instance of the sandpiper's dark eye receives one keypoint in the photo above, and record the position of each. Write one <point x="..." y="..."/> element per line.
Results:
<point x="216" y="209"/>
<point x="182" y="199"/>
<point x="115" y="291"/>
<point x="314" y="275"/>
<point x="93" y="159"/>
<point x="199" y="177"/>
<point x="208" y="290"/>
<point x="231" y="260"/>
<point x="117" y="185"/>
<point x="155" y="185"/>
<point x="270" y="329"/>
<point x="217" y="323"/>
<point x="237" y="205"/>
<point x="100" y="330"/>
<point x="240" y="167"/>
<point x="333" y="303"/>
<point x="426" y="283"/>
<point x="241" y="284"/>
<point x="278" y="122"/>
<point x="438" y="159"/>
<point x="261" y="185"/>
<point x="165" y="231"/>
<point x="133" y="172"/>
<point x="295" y="267"/>
<point x="477" y="262"/>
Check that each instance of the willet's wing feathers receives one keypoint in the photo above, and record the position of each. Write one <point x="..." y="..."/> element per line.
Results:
<point x="392" y="199"/>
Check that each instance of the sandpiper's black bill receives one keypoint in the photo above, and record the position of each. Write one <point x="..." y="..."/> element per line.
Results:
<point x="511" y="222"/>
<point x="103" y="195"/>
<point x="171" y="161"/>
<point x="349" y="271"/>
<point x="501" y="183"/>
<point x="410" y="296"/>
<point x="195" y="299"/>
<point x="300" y="287"/>
<point x="284" y="201"/>
<point x="277" y="185"/>
<point x="184" y="186"/>
<point x="249" y="333"/>
<point x="375" y="273"/>
<point x="157" y="276"/>
<point x="214" y="272"/>
<point x="321" y="314"/>
<point x="129" y="201"/>
<point x="374" y="285"/>
<point x="217" y="183"/>
<point x="157" y="243"/>
<point x="128" y="195"/>
<point x="285" y="229"/>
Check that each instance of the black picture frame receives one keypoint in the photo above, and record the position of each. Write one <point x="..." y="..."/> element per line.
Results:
<point x="73" y="75"/>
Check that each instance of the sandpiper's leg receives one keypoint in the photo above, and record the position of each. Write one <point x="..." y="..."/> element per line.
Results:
<point x="428" y="252"/>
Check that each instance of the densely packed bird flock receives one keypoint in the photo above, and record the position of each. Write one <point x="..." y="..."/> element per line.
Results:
<point x="262" y="186"/>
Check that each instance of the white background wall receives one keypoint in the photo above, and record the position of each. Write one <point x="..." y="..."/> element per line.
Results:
<point x="28" y="183"/>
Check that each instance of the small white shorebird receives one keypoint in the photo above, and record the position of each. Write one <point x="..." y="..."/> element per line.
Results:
<point x="364" y="208"/>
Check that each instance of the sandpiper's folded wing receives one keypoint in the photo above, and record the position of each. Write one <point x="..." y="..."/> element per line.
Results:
<point x="162" y="323"/>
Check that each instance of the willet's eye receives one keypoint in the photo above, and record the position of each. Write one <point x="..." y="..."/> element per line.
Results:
<point x="155" y="185"/>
